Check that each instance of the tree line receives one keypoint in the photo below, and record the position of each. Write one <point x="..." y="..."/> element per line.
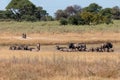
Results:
<point x="90" y="15"/>
<point x="24" y="10"/>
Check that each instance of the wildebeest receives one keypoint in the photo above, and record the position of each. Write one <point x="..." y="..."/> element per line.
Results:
<point x="22" y="47"/>
<point x="72" y="46"/>
<point x="24" y="35"/>
<point x="107" y="46"/>
<point x="78" y="46"/>
<point x="25" y="47"/>
<point x="98" y="49"/>
<point x="62" y="48"/>
<point x="81" y="47"/>
<point x="12" y="47"/>
<point x="18" y="47"/>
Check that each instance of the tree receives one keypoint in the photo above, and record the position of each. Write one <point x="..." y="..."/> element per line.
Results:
<point x="77" y="9"/>
<point x="95" y="8"/>
<point x="96" y="19"/>
<point x="116" y="12"/>
<point x="24" y="10"/>
<point x="28" y="18"/>
<point x="87" y="17"/>
<point x="70" y="10"/>
<point x="106" y="12"/>
<point x="60" y="14"/>
<point x="106" y="15"/>
<point x="17" y="4"/>
<point x="73" y="10"/>
<point x="2" y="15"/>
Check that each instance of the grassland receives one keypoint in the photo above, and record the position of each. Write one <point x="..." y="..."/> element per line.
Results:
<point x="49" y="64"/>
<point x="55" y="27"/>
<point x="53" y="33"/>
<point x="25" y="65"/>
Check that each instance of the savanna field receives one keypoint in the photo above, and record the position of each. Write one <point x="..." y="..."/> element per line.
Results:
<point x="51" y="64"/>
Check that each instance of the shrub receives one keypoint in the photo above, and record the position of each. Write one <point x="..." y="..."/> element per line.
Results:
<point x="28" y="18"/>
<point x="63" y="21"/>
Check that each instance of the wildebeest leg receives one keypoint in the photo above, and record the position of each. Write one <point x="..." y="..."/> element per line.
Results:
<point x="108" y="50"/>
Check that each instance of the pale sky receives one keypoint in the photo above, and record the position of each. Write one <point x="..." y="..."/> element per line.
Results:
<point x="51" y="6"/>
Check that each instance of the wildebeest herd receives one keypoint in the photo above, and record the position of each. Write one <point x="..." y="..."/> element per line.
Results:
<point x="82" y="47"/>
<point x="72" y="47"/>
<point x="25" y="47"/>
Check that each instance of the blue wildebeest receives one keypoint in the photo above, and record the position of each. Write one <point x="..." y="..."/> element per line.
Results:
<point x="78" y="46"/>
<point x="107" y="47"/>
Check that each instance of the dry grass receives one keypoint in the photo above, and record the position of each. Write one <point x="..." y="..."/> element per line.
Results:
<point x="55" y="65"/>
<point x="32" y="39"/>
<point x="25" y="65"/>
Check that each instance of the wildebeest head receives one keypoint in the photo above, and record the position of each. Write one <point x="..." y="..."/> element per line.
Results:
<point x="57" y="47"/>
<point x="71" y="46"/>
<point x="110" y="45"/>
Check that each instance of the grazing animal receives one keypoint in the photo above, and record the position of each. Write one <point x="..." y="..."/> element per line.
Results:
<point x="24" y="36"/>
<point x="106" y="46"/>
<point x="32" y="49"/>
<point x="81" y="47"/>
<point x="72" y="46"/>
<point x="63" y="49"/>
<point x="12" y="47"/>
<point x="78" y="46"/>
<point x="24" y="47"/>
<point x="98" y="49"/>
<point x="20" y="47"/>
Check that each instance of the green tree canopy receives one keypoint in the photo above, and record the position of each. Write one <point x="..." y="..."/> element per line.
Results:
<point x="116" y="12"/>
<point x="26" y="10"/>
<point x="93" y="7"/>
<point x="17" y="4"/>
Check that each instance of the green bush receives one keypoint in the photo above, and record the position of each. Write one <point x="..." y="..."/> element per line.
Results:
<point x="29" y="18"/>
<point x="73" y="20"/>
<point x="63" y="21"/>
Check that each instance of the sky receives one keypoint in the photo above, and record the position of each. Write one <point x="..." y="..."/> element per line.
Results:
<point x="51" y="6"/>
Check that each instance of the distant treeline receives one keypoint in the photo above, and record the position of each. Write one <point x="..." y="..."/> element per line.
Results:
<point x="92" y="14"/>
<point x="24" y="10"/>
